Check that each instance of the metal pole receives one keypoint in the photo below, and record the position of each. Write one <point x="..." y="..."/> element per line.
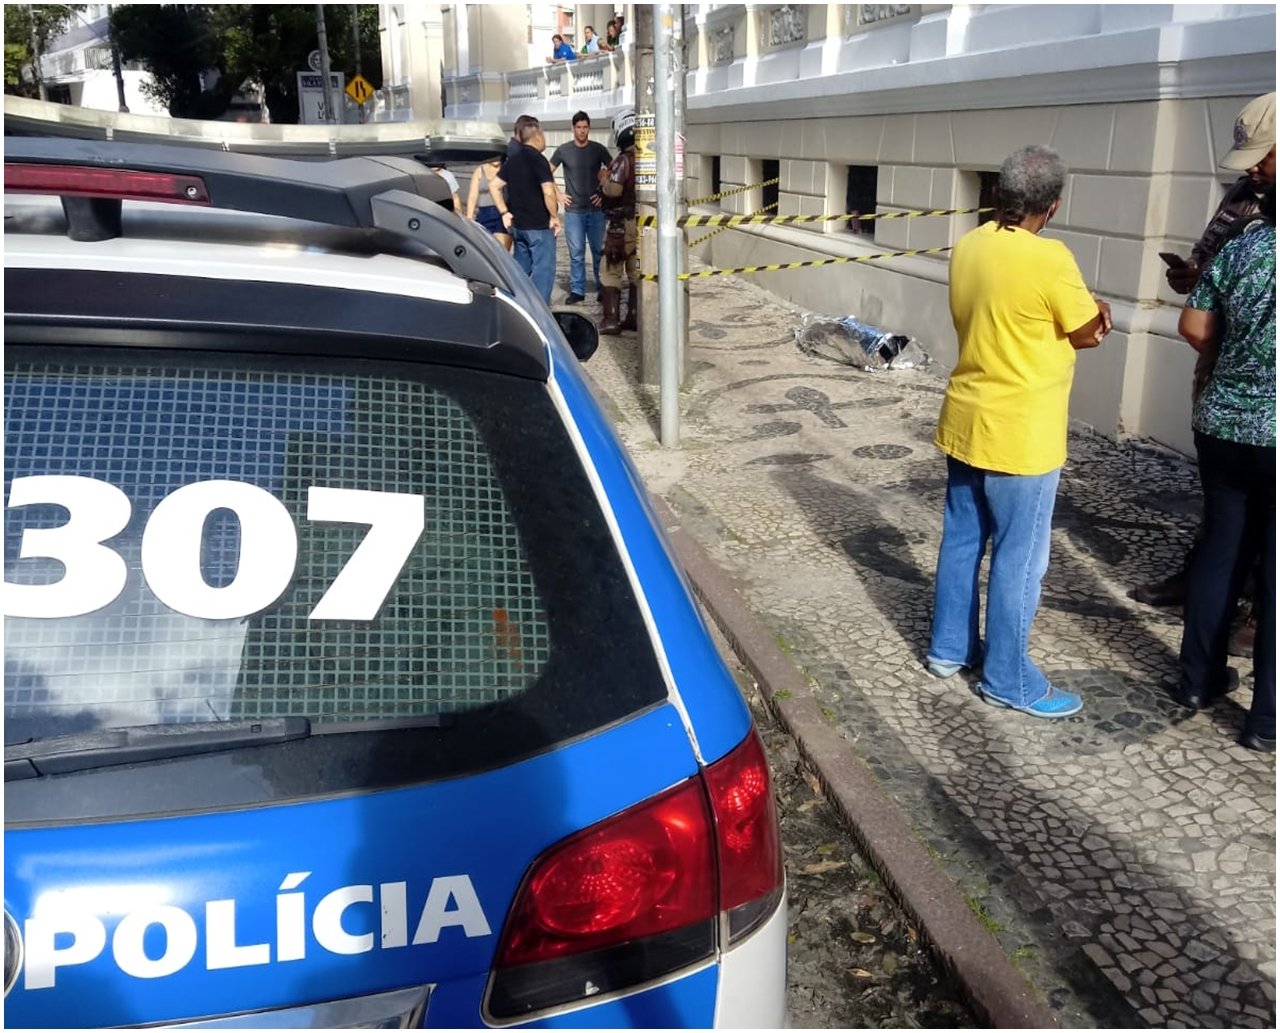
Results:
<point x="322" y="43"/>
<point x="35" y="54"/>
<point x="115" y="62"/>
<point x="664" y="144"/>
<point x="355" y="39"/>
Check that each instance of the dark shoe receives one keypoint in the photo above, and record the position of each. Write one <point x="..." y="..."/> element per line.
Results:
<point x="1254" y="741"/>
<point x="1241" y="641"/>
<point x="630" y="322"/>
<point x="1172" y="591"/>
<point x="610" y="298"/>
<point x="1199" y="697"/>
<point x="574" y="299"/>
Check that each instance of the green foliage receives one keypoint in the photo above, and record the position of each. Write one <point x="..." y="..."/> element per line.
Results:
<point x="50" y="21"/>
<point x="267" y="44"/>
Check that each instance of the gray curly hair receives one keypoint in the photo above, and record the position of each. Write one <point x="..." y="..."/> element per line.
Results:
<point x="1031" y="179"/>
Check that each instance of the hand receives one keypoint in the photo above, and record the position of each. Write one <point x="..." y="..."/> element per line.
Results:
<point x="602" y="174"/>
<point x="565" y="200"/>
<point x="1104" y="310"/>
<point x="1182" y="279"/>
<point x="505" y="216"/>
<point x="555" y="225"/>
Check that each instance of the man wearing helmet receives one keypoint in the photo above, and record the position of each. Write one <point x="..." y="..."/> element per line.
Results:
<point x="618" y="186"/>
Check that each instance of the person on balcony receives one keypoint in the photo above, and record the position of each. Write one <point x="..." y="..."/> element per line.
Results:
<point x="582" y="159"/>
<point x="593" y="44"/>
<point x="613" y="34"/>
<point x="561" y="51"/>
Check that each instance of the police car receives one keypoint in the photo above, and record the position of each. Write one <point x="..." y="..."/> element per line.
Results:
<point x="349" y="680"/>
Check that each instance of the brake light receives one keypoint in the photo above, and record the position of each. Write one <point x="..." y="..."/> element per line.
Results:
<point x="642" y="872"/>
<point x="120" y="184"/>
<point x="639" y="895"/>
<point x="749" y="848"/>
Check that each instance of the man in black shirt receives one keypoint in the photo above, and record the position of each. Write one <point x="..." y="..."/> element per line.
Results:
<point x="529" y="206"/>
<point x="582" y="159"/>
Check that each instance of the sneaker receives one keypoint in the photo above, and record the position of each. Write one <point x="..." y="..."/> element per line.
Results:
<point x="942" y="668"/>
<point x="574" y="299"/>
<point x="1053" y="704"/>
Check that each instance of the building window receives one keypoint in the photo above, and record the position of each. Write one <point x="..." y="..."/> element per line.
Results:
<point x="988" y="195"/>
<point x="769" y="194"/>
<point x="715" y="174"/>
<point x="860" y="198"/>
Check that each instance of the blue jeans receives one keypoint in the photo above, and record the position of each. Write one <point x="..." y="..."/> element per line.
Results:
<point x="535" y="251"/>
<point x="581" y="228"/>
<point x="1014" y="512"/>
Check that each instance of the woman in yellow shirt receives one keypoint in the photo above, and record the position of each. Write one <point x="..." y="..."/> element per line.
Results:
<point x="1021" y="310"/>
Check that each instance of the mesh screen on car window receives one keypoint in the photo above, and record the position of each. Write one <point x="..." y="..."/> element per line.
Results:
<point x="459" y="626"/>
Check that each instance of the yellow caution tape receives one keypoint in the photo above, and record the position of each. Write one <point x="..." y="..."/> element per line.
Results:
<point x="730" y="193"/>
<point x="721" y="229"/>
<point x="775" y="267"/>
<point x="760" y="220"/>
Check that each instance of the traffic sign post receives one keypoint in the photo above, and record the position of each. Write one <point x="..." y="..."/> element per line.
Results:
<point x="359" y="89"/>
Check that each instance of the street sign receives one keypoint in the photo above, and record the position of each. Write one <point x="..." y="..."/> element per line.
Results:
<point x="359" y="89"/>
<point x="311" y="109"/>
<point x="314" y="61"/>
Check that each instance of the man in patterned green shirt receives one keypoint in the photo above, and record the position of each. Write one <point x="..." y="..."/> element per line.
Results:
<point x="1231" y="313"/>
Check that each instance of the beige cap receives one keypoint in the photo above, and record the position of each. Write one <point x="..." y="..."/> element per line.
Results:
<point x="1254" y="134"/>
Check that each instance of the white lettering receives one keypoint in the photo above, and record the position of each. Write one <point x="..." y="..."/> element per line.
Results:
<point x="395" y="914"/>
<point x="222" y="951"/>
<point x="291" y="920"/>
<point x="44" y="957"/>
<point x="179" y="941"/>
<point x="435" y="913"/>
<point x="174" y="536"/>
<point x="326" y="923"/>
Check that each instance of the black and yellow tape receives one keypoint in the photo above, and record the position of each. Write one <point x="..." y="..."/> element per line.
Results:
<point x="778" y="266"/>
<point x="761" y="220"/>
<point x="730" y="193"/>
<point x="720" y="229"/>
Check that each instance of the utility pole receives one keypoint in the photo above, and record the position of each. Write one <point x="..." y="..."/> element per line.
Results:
<point x="669" y="287"/>
<point x="355" y="40"/>
<point x="115" y="61"/>
<point x="322" y="43"/>
<point x="35" y="54"/>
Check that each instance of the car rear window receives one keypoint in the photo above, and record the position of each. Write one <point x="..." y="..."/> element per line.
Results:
<point x="202" y="537"/>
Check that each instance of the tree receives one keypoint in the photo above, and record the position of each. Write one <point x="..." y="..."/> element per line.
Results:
<point x="50" y="21"/>
<point x="176" y="44"/>
<point x="267" y="44"/>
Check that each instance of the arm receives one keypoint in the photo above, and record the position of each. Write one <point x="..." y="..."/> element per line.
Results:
<point x="551" y="198"/>
<point x="1200" y="328"/>
<point x="498" y="191"/>
<point x="1090" y="335"/>
<point x="607" y="185"/>
<point x="565" y="199"/>
<point x="473" y="194"/>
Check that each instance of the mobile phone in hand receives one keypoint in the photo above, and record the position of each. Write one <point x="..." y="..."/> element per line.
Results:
<point x="1173" y="261"/>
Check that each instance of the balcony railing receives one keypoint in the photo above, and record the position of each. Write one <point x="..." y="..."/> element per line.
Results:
<point x="598" y="82"/>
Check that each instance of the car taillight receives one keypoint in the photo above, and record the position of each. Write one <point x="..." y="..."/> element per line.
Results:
<point x="639" y="895"/>
<point x="750" y="851"/>
<point x="124" y="184"/>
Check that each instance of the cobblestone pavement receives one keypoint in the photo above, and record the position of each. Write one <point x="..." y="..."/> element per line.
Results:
<point x="1124" y="858"/>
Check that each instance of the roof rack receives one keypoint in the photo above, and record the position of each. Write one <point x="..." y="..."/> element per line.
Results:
<point x="388" y="193"/>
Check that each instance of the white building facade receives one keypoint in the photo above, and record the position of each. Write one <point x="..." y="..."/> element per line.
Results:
<point x="76" y="67"/>
<point x="895" y="107"/>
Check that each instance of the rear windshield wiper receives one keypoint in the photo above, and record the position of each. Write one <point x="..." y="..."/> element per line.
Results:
<point x="108" y="747"/>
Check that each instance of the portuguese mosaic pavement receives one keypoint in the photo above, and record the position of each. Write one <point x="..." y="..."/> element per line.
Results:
<point x="1124" y="858"/>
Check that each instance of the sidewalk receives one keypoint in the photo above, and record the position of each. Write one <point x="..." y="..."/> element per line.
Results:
<point x="1124" y="859"/>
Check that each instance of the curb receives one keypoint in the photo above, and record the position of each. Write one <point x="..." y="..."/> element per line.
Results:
<point x="995" y="990"/>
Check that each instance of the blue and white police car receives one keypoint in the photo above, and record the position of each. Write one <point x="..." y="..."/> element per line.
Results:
<point x="349" y="680"/>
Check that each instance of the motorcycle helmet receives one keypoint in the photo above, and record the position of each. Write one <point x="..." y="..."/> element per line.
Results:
<point x="624" y="129"/>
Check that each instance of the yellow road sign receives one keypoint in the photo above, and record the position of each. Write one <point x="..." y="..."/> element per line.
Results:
<point x="359" y="89"/>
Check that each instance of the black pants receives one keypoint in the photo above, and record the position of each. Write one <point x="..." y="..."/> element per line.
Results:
<point x="1239" y="483"/>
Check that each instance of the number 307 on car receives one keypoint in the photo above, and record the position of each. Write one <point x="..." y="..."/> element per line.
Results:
<point x="95" y="573"/>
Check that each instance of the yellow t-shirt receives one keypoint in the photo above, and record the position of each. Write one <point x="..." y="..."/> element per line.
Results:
<point x="1014" y="298"/>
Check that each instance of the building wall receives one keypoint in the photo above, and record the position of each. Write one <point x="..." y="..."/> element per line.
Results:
<point x="1140" y="101"/>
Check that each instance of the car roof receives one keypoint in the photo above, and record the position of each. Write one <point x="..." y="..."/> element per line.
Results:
<point x="355" y="224"/>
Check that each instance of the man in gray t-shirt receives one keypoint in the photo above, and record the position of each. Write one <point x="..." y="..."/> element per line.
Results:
<point x="582" y="159"/>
